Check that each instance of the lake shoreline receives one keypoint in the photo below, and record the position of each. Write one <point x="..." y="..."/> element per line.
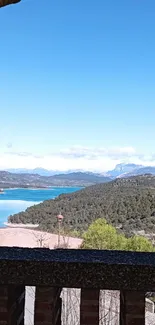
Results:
<point x="16" y="200"/>
<point x="40" y="188"/>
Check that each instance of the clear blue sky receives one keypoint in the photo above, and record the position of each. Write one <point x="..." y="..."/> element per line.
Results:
<point x="77" y="72"/>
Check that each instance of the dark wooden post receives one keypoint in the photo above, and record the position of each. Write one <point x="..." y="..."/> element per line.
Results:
<point x="132" y="308"/>
<point x="12" y="305"/>
<point x="47" y="306"/>
<point x="89" y="307"/>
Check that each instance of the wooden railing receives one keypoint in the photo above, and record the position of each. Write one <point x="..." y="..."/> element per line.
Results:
<point x="51" y="270"/>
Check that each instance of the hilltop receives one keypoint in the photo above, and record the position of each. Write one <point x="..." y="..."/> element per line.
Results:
<point x="127" y="203"/>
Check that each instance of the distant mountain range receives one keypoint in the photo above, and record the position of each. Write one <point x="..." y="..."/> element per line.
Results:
<point x="26" y="180"/>
<point x="122" y="169"/>
<point x="43" y="172"/>
<point x="139" y="171"/>
<point x="119" y="171"/>
<point x="128" y="170"/>
<point x="40" y="177"/>
<point x="39" y="171"/>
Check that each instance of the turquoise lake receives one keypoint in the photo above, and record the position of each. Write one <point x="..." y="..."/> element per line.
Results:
<point x="17" y="200"/>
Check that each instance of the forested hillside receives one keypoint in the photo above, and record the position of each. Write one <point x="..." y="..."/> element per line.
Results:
<point x="125" y="203"/>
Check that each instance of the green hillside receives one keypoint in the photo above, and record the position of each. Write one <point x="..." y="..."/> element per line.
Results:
<point x="127" y="203"/>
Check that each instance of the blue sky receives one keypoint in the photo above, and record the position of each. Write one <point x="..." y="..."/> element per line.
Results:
<point x="77" y="77"/>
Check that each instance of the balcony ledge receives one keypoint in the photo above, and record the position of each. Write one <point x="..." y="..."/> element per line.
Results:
<point x="113" y="270"/>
